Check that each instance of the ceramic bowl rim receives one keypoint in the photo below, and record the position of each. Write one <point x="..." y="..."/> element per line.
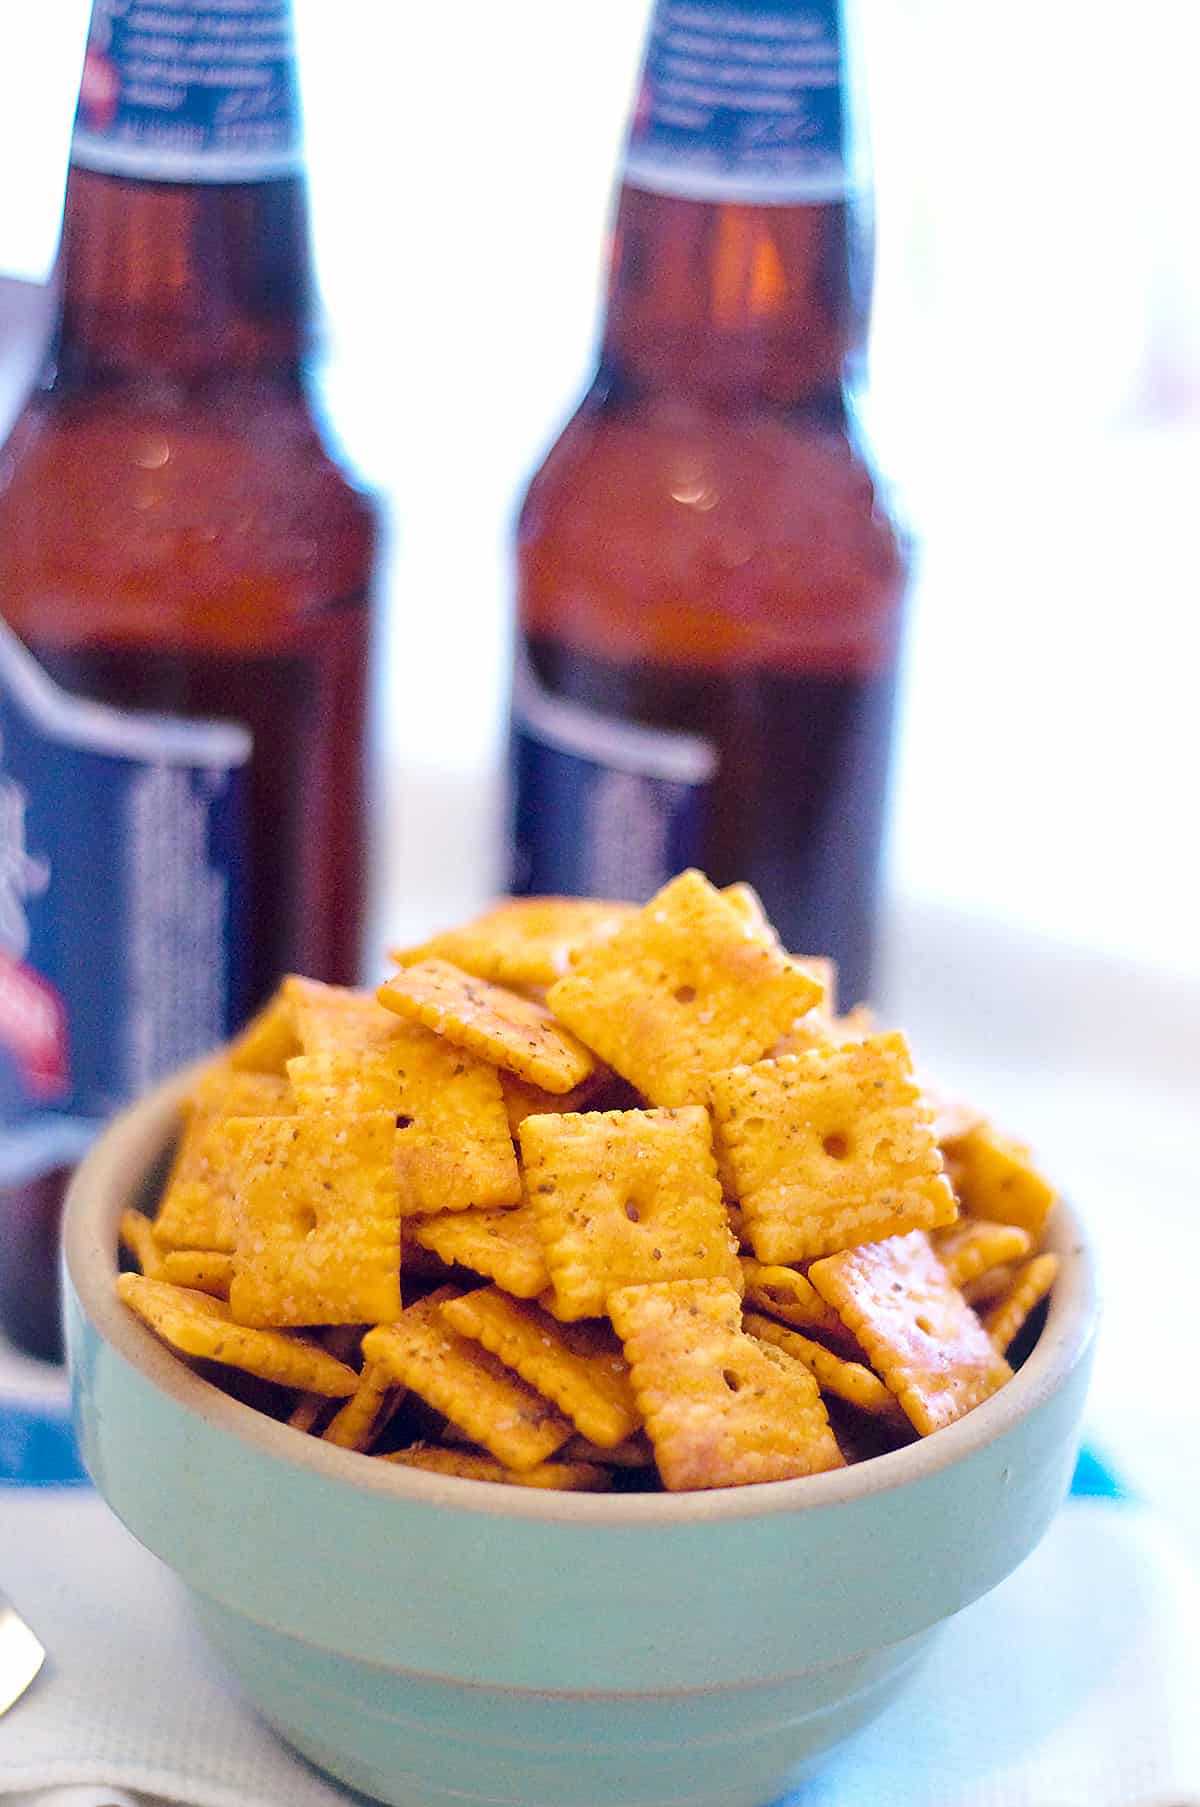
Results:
<point x="114" y="1174"/>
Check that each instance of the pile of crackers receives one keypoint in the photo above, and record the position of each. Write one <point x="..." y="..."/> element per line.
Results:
<point x="592" y="1196"/>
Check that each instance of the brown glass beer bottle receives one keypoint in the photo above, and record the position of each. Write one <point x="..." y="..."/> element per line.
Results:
<point x="709" y="587"/>
<point x="184" y="576"/>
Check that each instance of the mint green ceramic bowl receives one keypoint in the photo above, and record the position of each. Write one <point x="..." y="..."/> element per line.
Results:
<point x="435" y="1641"/>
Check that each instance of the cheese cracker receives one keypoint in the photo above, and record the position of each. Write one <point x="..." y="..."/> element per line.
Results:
<point x="578" y="1366"/>
<point x="622" y="1197"/>
<point x="687" y="987"/>
<point x="503" y="1245"/>
<point x="996" y="1177"/>
<point x="197" y="1207"/>
<point x="318" y="1220"/>
<point x="510" y="1031"/>
<point x="136" y="1234"/>
<point x="525" y="941"/>
<point x="202" y="1327"/>
<point x="468" y="1385"/>
<point x="721" y="1409"/>
<point x="453" y="1147"/>
<point x="473" y="1465"/>
<point x="829" y="1150"/>
<point x="1027" y="1289"/>
<point x="971" y="1246"/>
<point x="918" y="1331"/>
<point x="847" y="1380"/>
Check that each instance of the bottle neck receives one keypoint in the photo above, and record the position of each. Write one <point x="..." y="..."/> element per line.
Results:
<point x="184" y="283"/>
<point x="185" y="244"/>
<point x="740" y="259"/>
<point x="732" y="304"/>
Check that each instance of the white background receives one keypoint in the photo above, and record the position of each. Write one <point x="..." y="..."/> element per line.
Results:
<point x="1035" y="394"/>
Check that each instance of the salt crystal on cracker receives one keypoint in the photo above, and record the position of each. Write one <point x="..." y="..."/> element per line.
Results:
<point x="687" y="987"/>
<point x="918" y="1331"/>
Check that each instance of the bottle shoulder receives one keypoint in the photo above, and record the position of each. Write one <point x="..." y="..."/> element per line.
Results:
<point x="120" y="498"/>
<point x="676" y="532"/>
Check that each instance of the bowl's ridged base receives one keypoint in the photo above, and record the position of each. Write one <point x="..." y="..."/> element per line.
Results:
<point x="393" y="1736"/>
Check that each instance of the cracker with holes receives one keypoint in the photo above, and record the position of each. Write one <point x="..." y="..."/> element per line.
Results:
<point x="331" y="1019"/>
<point x="846" y="1380"/>
<point x="496" y="1025"/>
<point x="997" y="1178"/>
<point x="528" y="941"/>
<point x="453" y="1147"/>
<point x="203" y="1328"/>
<point x="623" y="1197"/>
<point x="197" y="1207"/>
<point x="503" y="1245"/>
<point x="687" y="987"/>
<point x="579" y="1366"/>
<point x="466" y="1384"/>
<point x="1028" y="1287"/>
<point x="721" y="1408"/>
<point x="918" y="1331"/>
<point x="971" y="1246"/>
<point x="828" y="1150"/>
<point x="318" y="1220"/>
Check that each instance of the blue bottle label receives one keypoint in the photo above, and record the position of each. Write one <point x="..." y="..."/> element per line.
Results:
<point x="602" y="807"/>
<point x="184" y="91"/>
<point x="123" y="905"/>
<point x="742" y="101"/>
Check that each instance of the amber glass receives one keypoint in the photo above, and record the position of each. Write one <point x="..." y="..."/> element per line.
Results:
<point x="704" y="548"/>
<point x="175" y="536"/>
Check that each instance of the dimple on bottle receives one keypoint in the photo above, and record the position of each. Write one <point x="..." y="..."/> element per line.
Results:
<point x="184" y="609"/>
<point x="710" y="587"/>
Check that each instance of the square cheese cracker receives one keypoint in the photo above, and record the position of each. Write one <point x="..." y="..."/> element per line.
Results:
<point x="687" y="987"/>
<point x="453" y="1146"/>
<point x="625" y="1196"/>
<point x="721" y="1408"/>
<point x="918" y="1331"/>
<point x="830" y="1149"/>
<point x="318" y="1220"/>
